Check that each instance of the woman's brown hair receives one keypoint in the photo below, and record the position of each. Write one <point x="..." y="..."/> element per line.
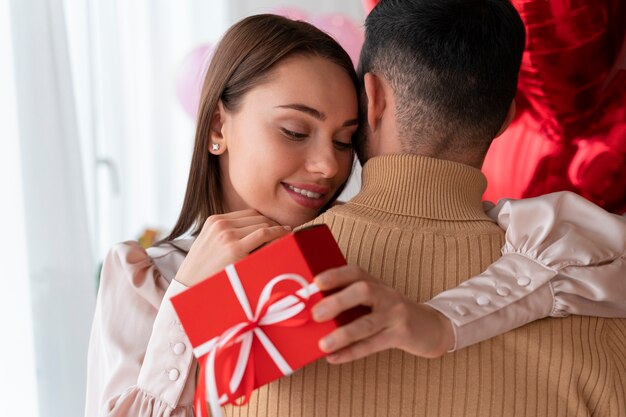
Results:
<point x="242" y="60"/>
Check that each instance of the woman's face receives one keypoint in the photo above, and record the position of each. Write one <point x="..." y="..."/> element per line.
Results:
<point x="288" y="144"/>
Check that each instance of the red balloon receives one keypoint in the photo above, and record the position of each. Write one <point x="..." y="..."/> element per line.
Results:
<point x="368" y="5"/>
<point x="571" y="129"/>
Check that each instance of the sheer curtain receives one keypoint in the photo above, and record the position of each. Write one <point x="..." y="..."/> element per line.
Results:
<point x="57" y="245"/>
<point x="140" y="137"/>
<point x="97" y="149"/>
<point x="136" y="137"/>
<point x="17" y="364"/>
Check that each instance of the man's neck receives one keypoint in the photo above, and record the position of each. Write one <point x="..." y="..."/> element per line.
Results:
<point x="467" y="158"/>
<point x="393" y="144"/>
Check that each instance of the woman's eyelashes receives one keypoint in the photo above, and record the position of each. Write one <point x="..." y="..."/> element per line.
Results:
<point x="343" y="146"/>
<point x="299" y="136"/>
<point x="293" y="135"/>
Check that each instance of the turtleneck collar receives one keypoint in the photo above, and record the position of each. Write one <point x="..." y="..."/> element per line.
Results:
<point x="424" y="187"/>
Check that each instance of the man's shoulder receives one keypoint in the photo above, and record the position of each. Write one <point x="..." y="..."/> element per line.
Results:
<point x="325" y="217"/>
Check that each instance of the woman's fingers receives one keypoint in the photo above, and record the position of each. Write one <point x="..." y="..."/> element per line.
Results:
<point x="361" y="328"/>
<point x="355" y="294"/>
<point x="242" y="232"/>
<point x="235" y="225"/>
<point x="236" y="214"/>
<point x="237" y="219"/>
<point x="363" y="348"/>
<point x="341" y="276"/>
<point x="262" y="236"/>
<point x="240" y="214"/>
<point x="225" y="239"/>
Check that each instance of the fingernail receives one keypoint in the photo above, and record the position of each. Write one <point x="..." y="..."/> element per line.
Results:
<point x="332" y="357"/>
<point x="318" y="313"/>
<point x="287" y="227"/>
<point x="326" y="344"/>
<point x="320" y="280"/>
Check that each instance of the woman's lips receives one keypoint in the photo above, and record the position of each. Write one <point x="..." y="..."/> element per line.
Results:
<point x="307" y="195"/>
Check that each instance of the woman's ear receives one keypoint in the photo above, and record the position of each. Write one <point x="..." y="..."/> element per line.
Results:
<point x="217" y="140"/>
<point x="510" y="115"/>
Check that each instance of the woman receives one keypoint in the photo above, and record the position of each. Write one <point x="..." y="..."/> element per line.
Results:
<point x="272" y="150"/>
<point x="277" y="115"/>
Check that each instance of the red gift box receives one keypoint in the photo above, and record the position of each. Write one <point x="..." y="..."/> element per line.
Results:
<point x="250" y="323"/>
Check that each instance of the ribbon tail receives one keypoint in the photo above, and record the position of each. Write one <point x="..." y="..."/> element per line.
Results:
<point x="211" y="391"/>
<point x="248" y="385"/>
<point x="199" y="400"/>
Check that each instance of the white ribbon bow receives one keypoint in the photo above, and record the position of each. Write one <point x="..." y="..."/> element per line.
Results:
<point x="281" y="310"/>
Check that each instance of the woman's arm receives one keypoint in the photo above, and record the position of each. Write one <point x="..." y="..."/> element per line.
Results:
<point x="140" y="361"/>
<point x="563" y="255"/>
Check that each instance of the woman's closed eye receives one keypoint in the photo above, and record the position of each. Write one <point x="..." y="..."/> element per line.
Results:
<point x="293" y="135"/>
<point x="343" y="146"/>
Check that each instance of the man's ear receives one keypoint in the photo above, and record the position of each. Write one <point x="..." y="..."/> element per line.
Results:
<point x="217" y="140"/>
<point x="508" y="119"/>
<point x="375" y="100"/>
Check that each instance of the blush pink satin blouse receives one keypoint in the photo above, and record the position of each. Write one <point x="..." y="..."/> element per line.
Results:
<point x="563" y="255"/>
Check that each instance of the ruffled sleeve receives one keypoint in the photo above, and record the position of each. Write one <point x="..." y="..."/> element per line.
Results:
<point x="140" y="362"/>
<point x="563" y="255"/>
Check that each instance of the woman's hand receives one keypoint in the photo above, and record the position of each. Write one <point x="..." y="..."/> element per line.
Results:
<point x="225" y="239"/>
<point x="395" y="321"/>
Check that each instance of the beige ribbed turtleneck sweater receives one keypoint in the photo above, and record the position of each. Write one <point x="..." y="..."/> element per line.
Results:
<point x="418" y="224"/>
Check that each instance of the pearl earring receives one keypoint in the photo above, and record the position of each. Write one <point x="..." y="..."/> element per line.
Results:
<point x="215" y="146"/>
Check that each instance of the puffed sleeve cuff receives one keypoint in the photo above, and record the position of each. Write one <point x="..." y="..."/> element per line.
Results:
<point x="562" y="255"/>
<point x="513" y="291"/>
<point x="591" y="290"/>
<point x="169" y="356"/>
<point x="138" y="403"/>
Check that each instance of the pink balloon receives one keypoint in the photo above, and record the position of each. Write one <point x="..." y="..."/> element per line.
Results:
<point x="292" y="13"/>
<point x="344" y="30"/>
<point x="191" y="77"/>
<point x="193" y="69"/>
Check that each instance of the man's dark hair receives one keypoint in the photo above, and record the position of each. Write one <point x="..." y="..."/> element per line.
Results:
<point x="452" y="64"/>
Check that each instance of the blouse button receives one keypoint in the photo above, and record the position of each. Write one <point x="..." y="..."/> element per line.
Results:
<point x="503" y="291"/>
<point x="523" y="281"/>
<point x="483" y="301"/>
<point x="173" y="374"/>
<point x="179" y="348"/>
<point x="461" y="310"/>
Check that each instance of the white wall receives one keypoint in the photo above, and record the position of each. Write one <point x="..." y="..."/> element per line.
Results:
<point x="351" y="8"/>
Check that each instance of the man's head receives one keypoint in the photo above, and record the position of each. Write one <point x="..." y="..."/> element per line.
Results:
<point x="440" y="76"/>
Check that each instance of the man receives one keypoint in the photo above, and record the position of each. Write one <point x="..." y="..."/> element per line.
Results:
<point x="439" y="80"/>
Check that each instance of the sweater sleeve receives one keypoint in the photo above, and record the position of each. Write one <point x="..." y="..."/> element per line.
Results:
<point x="140" y="362"/>
<point x="563" y="255"/>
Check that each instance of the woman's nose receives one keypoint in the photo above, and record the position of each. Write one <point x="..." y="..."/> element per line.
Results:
<point x="322" y="159"/>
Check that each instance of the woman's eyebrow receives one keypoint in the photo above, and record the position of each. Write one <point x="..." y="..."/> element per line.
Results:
<point x="315" y="113"/>
<point x="305" y="109"/>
